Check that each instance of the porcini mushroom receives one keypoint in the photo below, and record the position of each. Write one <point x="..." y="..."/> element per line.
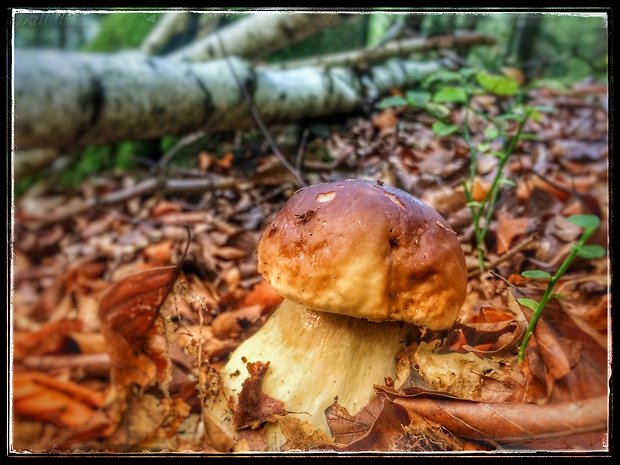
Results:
<point x="358" y="262"/>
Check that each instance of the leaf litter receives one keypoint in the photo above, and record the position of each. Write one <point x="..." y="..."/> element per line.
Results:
<point x="123" y="314"/>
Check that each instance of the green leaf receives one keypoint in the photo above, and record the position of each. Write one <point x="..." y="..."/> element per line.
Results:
<point x="591" y="251"/>
<point x="535" y="114"/>
<point x="498" y="85"/>
<point x="450" y="95"/>
<point x="536" y="274"/>
<point x="442" y="76"/>
<point x="394" y="101"/>
<point x="585" y="221"/>
<point x="442" y="129"/>
<point x="484" y="147"/>
<point x="507" y="182"/>
<point x="528" y="136"/>
<point x="418" y="98"/>
<point x="474" y="203"/>
<point x="529" y="303"/>
<point x="491" y="132"/>
<point x="437" y="110"/>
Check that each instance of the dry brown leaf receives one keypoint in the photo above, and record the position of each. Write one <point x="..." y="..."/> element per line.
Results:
<point x="230" y="324"/>
<point x="507" y="230"/>
<point x="379" y="428"/>
<point x="385" y="119"/>
<point x="134" y="332"/>
<point x="263" y="294"/>
<point x="46" y="398"/>
<point x="346" y="428"/>
<point x="49" y="339"/>
<point x="301" y="435"/>
<point x="255" y="407"/>
<point x="510" y="422"/>
<point x="158" y="254"/>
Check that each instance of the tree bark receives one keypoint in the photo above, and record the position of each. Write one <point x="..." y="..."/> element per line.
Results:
<point x="390" y="49"/>
<point x="68" y="100"/>
<point x="256" y="36"/>
<point x="168" y="26"/>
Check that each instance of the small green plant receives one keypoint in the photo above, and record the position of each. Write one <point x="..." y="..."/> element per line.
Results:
<point x="589" y="224"/>
<point x="505" y="130"/>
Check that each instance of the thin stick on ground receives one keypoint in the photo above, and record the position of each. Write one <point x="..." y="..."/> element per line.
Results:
<point x="259" y="121"/>
<point x="518" y="248"/>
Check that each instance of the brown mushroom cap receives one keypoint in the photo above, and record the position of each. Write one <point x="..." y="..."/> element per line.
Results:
<point x="366" y="250"/>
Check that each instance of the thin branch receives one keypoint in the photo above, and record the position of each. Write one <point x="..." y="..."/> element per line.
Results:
<point x="299" y="159"/>
<point x="146" y="186"/>
<point x="259" y="121"/>
<point x="367" y="56"/>
<point x="518" y="248"/>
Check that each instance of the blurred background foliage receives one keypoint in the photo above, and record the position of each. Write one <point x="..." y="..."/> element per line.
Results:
<point x="555" y="49"/>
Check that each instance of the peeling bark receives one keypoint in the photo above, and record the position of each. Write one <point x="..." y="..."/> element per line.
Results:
<point x="256" y="35"/>
<point x="67" y="100"/>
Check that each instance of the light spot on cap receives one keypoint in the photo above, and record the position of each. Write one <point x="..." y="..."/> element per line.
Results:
<point x="395" y="199"/>
<point x="326" y="196"/>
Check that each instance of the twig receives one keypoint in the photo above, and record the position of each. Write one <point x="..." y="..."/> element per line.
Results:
<point x="368" y="56"/>
<point x="518" y="248"/>
<point x="257" y="118"/>
<point x="92" y="364"/>
<point x="299" y="159"/>
<point x="176" y="148"/>
<point x="144" y="187"/>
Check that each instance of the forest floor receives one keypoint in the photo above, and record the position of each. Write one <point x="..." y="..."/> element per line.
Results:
<point x="70" y="249"/>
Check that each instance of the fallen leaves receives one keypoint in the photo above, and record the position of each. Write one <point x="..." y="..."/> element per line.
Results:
<point x="253" y="406"/>
<point x="164" y="357"/>
<point x="46" y="398"/>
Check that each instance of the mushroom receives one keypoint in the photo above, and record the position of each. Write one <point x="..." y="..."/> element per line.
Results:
<point x="358" y="263"/>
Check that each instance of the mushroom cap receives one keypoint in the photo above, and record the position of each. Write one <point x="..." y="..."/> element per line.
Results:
<point x="367" y="250"/>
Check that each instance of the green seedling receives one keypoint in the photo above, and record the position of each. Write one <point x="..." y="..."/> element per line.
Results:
<point x="589" y="224"/>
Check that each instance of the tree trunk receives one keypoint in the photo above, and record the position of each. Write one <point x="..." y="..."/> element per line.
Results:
<point x="256" y="36"/>
<point x="67" y="100"/>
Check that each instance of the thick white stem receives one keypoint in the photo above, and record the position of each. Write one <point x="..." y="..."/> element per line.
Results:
<point x="317" y="358"/>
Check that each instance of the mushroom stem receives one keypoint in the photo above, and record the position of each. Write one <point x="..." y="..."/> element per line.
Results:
<point x="317" y="358"/>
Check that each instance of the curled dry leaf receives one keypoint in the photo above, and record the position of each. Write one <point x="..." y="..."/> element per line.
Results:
<point x="255" y="407"/>
<point x="503" y="422"/>
<point x="134" y="333"/>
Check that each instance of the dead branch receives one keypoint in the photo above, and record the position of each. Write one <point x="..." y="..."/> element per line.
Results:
<point x="257" y="35"/>
<point x="401" y="48"/>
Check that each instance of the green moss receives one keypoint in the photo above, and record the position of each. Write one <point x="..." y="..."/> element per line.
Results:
<point x="121" y="31"/>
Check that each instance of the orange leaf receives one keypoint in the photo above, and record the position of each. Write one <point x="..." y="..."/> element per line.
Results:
<point x="263" y="294"/>
<point x="45" y="398"/>
<point x="507" y="230"/>
<point x="134" y="334"/>
<point x="164" y="207"/>
<point x="479" y="191"/>
<point x="385" y="119"/>
<point x="159" y="254"/>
